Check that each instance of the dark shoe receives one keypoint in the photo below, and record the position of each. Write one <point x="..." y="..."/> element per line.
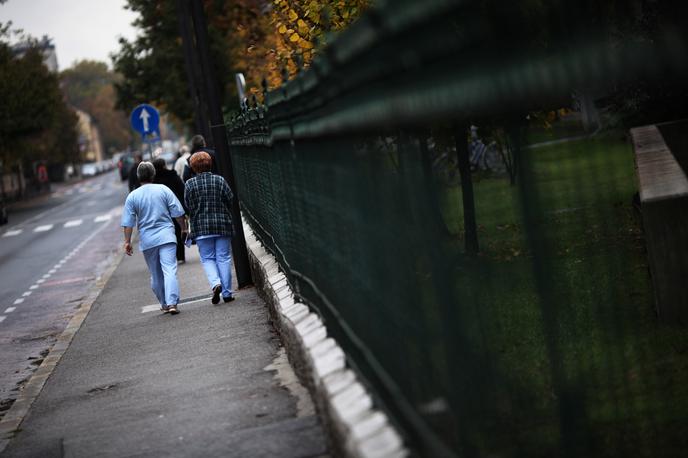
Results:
<point x="216" y="294"/>
<point x="173" y="309"/>
<point x="228" y="299"/>
<point x="164" y="309"/>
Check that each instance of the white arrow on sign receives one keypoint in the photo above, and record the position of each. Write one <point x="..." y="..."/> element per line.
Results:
<point x="144" y="116"/>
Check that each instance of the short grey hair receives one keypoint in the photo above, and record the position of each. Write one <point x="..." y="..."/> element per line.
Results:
<point x="146" y="172"/>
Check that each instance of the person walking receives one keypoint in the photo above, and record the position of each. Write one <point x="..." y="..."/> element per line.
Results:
<point x="209" y="201"/>
<point x="151" y="208"/>
<point x="170" y="179"/>
<point x="181" y="161"/>
<point x="133" y="178"/>
<point x="198" y="144"/>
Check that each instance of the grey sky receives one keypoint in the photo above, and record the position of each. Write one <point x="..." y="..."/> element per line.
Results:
<point x="80" y="29"/>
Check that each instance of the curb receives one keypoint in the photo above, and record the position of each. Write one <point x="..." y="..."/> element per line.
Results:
<point x="356" y="428"/>
<point x="11" y="422"/>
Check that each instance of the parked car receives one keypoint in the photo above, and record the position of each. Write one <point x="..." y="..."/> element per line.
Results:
<point x="89" y="169"/>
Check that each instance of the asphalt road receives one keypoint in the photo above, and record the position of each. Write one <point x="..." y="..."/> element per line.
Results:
<point x="51" y="254"/>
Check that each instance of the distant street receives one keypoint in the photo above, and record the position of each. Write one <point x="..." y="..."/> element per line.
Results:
<point x="51" y="254"/>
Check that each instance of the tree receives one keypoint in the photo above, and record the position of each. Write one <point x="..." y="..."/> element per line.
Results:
<point x="152" y="65"/>
<point x="256" y="37"/>
<point x="89" y="86"/>
<point x="32" y="109"/>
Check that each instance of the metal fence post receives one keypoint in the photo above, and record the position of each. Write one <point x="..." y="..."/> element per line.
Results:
<point x="219" y="135"/>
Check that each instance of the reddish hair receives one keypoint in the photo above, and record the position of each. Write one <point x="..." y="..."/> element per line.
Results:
<point x="201" y="162"/>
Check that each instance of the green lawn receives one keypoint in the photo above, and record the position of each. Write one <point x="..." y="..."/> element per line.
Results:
<point x="568" y="331"/>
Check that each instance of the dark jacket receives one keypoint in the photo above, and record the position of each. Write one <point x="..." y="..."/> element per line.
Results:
<point x="133" y="178"/>
<point x="188" y="173"/>
<point x="170" y="179"/>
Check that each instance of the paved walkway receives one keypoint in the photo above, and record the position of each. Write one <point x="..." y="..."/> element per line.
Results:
<point x="211" y="381"/>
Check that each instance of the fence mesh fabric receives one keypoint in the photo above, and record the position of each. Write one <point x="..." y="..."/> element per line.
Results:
<point x="543" y="342"/>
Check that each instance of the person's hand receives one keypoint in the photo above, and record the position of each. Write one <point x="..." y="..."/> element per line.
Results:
<point x="128" y="249"/>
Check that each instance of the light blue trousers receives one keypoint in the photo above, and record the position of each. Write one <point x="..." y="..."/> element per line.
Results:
<point x="162" y="264"/>
<point x="216" y="258"/>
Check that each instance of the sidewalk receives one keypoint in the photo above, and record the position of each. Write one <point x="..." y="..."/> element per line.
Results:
<point x="211" y="381"/>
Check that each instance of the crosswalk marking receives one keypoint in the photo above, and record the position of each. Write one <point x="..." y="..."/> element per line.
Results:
<point x="11" y="233"/>
<point x="102" y="218"/>
<point x="74" y="222"/>
<point x="2" y="318"/>
<point x="27" y="293"/>
<point x="19" y="301"/>
<point x="43" y="228"/>
<point x="10" y="309"/>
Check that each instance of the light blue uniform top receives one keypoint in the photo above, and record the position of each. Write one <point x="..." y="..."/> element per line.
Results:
<point x="154" y="206"/>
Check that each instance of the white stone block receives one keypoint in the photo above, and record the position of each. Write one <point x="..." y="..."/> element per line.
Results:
<point x="329" y="362"/>
<point x="385" y="443"/>
<point x="314" y="336"/>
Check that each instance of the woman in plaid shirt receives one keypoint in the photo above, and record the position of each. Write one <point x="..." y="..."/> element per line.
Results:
<point x="208" y="199"/>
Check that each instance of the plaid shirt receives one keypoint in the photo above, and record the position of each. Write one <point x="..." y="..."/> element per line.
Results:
<point x="209" y="201"/>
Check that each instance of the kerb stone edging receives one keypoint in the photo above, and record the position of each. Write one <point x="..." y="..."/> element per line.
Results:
<point x="356" y="427"/>
<point x="14" y="417"/>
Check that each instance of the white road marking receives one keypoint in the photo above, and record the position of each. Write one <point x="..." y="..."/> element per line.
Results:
<point x="2" y="318"/>
<point x="102" y="218"/>
<point x="11" y="233"/>
<point x="39" y="281"/>
<point x="43" y="228"/>
<point x="150" y="308"/>
<point x="156" y="307"/>
<point x="33" y="287"/>
<point x="10" y="309"/>
<point x="27" y="294"/>
<point x="19" y="301"/>
<point x="46" y="276"/>
<point x="52" y="271"/>
<point x="75" y="222"/>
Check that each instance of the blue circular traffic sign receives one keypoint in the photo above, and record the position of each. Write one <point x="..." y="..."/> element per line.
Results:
<point x="145" y="119"/>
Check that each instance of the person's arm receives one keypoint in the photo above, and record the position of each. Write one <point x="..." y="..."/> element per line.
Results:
<point x="176" y="209"/>
<point x="128" y="223"/>
<point x="227" y="194"/>
<point x="127" y="240"/>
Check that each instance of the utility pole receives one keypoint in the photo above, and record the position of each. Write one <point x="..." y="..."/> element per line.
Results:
<point x="219" y="135"/>
<point x="192" y="68"/>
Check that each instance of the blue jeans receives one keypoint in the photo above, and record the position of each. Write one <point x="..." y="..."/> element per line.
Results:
<point x="216" y="258"/>
<point x="162" y="264"/>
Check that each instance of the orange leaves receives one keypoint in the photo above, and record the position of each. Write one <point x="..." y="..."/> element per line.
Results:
<point x="262" y="43"/>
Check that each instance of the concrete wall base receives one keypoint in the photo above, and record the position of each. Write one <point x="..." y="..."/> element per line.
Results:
<point x="356" y="428"/>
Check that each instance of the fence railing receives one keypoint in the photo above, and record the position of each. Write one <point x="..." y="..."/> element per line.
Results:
<point x="500" y="310"/>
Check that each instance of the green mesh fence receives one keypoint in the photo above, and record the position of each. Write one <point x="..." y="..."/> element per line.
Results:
<point x="524" y="327"/>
